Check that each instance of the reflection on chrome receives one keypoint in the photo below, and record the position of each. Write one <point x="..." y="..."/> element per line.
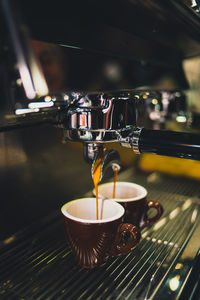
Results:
<point x="160" y="224"/>
<point x="40" y="104"/>
<point x="26" y="80"/>
<point x="181" y="119"/>
<point x="187" y="204"/>
<point x="194" y="215"/>
<point x="21" y="111"/>
<point x="47" y="98"/>
<point x="174" y="283"/>
<point x="179" y="266"/>
<point x="174" y="213"/>
<point x="144" y="234"/>
<point x="9" y="240"/>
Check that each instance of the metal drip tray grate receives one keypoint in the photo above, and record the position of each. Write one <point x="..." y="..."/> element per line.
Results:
<point x="38" y="264"/>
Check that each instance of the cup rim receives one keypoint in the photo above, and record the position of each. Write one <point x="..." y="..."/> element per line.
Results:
<point x="120" y="213"/>
<point x="124" y="183"/>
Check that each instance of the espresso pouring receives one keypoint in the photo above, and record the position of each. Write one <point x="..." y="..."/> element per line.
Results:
<point x="96" y="178"/>
<point x="96" y="174"/>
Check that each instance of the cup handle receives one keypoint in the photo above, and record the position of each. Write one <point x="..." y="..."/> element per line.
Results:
<point x="118" y="248"/>
<point x="158" y="207"/>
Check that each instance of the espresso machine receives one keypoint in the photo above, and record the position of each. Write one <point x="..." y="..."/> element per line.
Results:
<point x="98" y="73"/>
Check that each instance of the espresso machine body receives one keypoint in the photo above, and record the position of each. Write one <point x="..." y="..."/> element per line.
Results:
<point x="89" y="74"/>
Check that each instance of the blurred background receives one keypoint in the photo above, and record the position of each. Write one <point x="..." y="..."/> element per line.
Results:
<point x="39" y="170"/>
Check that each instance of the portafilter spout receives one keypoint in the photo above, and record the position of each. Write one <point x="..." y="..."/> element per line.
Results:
<point x="91" y="151"/>
<point x="104" y="160"/>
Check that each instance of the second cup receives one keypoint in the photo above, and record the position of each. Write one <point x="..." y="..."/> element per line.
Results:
<point x="133" y="197"/>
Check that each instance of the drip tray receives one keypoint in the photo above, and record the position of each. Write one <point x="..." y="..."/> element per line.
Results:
<point x="38" y="264"/>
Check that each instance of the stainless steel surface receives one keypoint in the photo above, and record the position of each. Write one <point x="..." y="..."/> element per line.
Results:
<point x="37" y="263"/>
<point x="10" y="122"/>
<point x="98" y="117"/>
<point x="131" y="140"/>
<point x="89" y="117"/>
<point x="112" y="117"/>
<point x="86" y="117"/>
<point x="91" y="151"/>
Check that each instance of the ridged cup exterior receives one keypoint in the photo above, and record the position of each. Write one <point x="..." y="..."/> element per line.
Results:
<point x="91" y="243"/>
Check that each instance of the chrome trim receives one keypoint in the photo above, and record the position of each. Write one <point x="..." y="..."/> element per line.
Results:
<point x="135" y="140"/>
<point x="131" y="140"/>
<point x="111" y="111"/>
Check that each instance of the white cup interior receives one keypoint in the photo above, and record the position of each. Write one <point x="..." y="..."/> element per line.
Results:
<point x="125" y="191"/>
<point x="84" y="210"/>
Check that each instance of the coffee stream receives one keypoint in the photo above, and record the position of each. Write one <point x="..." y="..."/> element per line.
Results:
<point x="114" y="182"/>
<point x="96" y="179"/>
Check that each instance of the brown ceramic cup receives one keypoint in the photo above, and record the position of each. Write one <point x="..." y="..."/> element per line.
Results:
<point x="133" y="197"/>
<point x="92" y="241"/>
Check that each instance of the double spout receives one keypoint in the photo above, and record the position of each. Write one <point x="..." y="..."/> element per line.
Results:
<point x="105" y="159"/>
